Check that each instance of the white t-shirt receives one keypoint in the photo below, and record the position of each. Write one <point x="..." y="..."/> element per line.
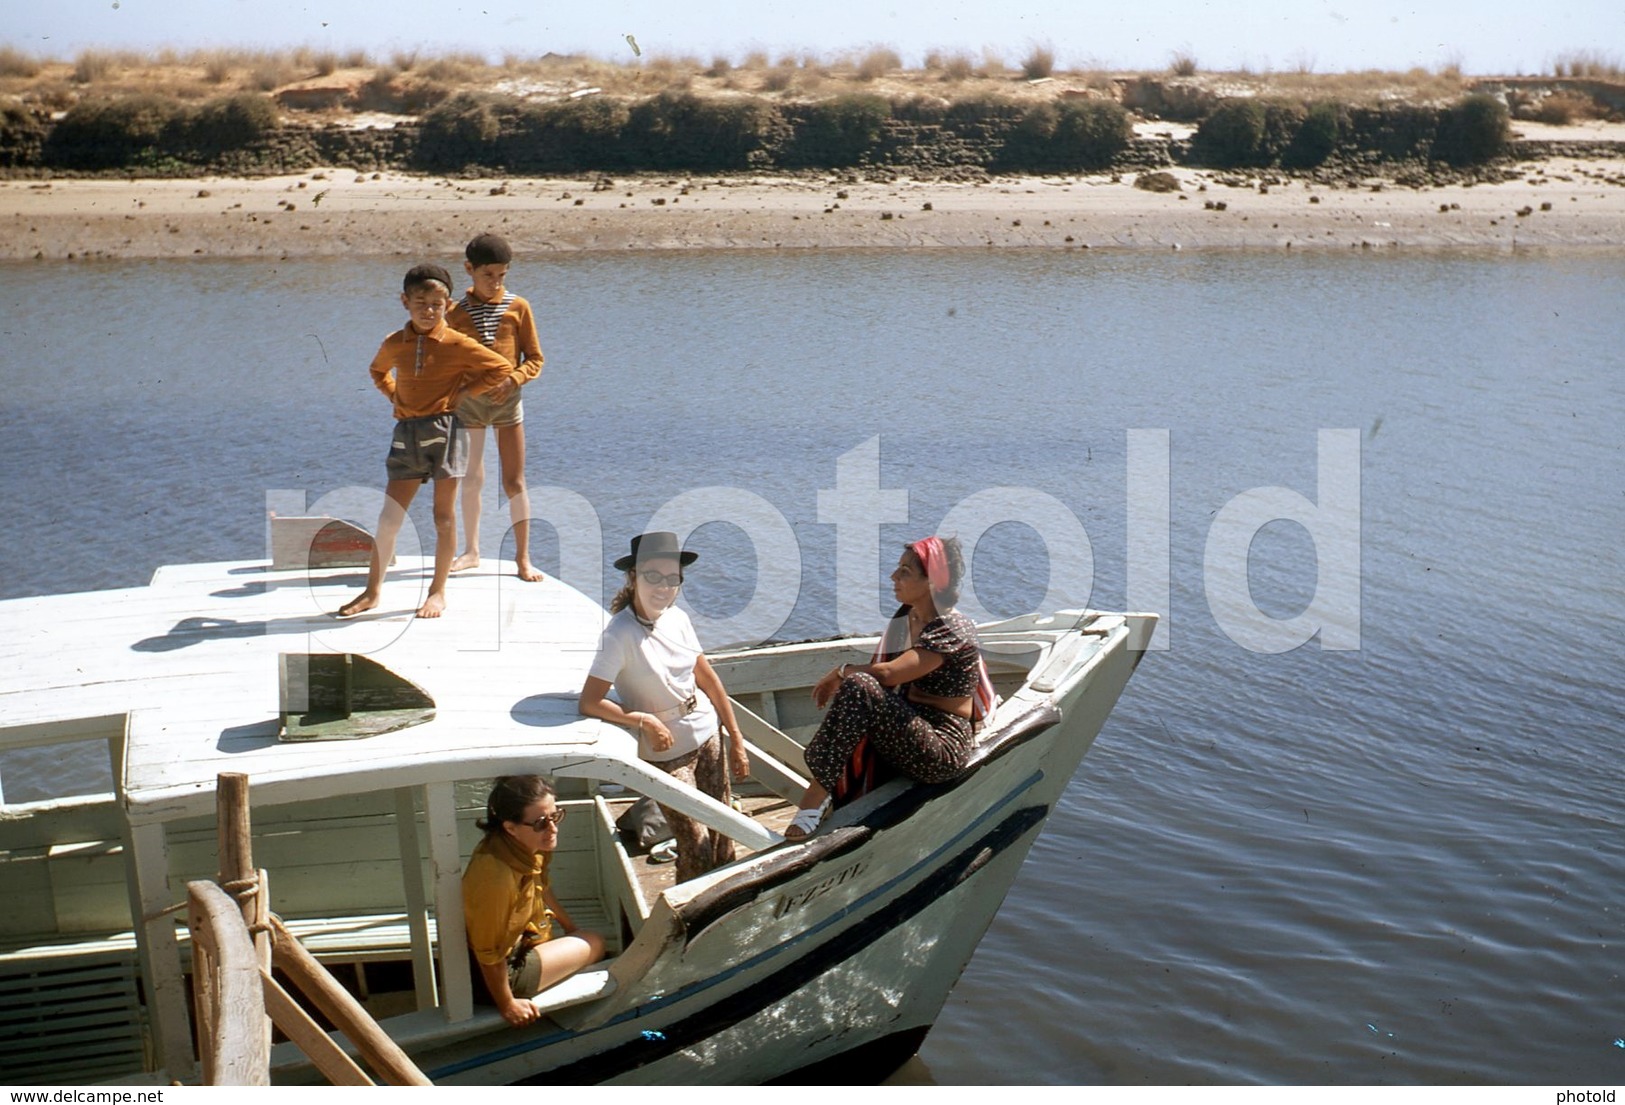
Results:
<point x="653" y="671"/>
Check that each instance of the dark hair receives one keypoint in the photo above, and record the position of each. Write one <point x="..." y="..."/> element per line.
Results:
<point x="623" y="597"/>
<point x="488" y="249"/>
<point x="510" y="796"/>
<point x="949" y="595"/>
<point x="420" y="275"/>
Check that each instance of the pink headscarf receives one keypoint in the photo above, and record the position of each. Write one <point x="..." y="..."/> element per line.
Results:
<point x="934" y="560"/>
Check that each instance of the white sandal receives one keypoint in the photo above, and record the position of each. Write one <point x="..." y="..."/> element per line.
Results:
<point x="806" y="821"/>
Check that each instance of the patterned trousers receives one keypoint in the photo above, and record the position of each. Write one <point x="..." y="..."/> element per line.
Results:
<point x="924" y="743"/>
<point x="700" y="849"/>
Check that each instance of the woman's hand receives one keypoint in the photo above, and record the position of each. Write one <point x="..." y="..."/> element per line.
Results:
<point x="738" y="758"/>
<point x="653" y="730"/>
<point x="825" y="688"/>
<point x="518" y="1012"/>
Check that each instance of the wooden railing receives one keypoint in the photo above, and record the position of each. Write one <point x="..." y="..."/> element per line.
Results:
<point x="228" y="997"/>
<point x="236" y="943"/>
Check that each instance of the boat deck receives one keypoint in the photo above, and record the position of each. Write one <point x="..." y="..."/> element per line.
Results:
<point x="184" y="672"/>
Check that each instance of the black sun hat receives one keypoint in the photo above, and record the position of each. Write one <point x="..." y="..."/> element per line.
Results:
<point x="654" y="546"/>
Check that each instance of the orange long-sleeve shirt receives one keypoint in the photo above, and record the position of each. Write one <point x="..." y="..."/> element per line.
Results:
<point x="424" y="374"/>
<point x="515" y="335"/>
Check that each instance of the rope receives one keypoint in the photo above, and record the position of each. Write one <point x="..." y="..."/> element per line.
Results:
<point x="240" y="889"/>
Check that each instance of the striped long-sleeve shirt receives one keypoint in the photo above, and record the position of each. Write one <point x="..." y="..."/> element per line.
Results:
<point x="505" y="325"/>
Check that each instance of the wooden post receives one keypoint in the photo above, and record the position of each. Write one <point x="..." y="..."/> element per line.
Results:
<point x="417" y="902"/>
<point x="384" y="1055"/>
<point x="234" y="833"/>
<point x="445" y="860"/>
<point x="234" y="836"/>
<point x="160" y="950"/>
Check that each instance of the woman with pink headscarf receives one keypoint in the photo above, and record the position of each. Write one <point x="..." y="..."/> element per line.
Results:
<point x="910" y="710"/>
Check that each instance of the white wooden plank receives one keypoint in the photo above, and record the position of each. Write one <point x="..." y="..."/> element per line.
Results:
<point x="160" y="952"/>
<point x="447" y="866"/>
<point x="417" y="902"/>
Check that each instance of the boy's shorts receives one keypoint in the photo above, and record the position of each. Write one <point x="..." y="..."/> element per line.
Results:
<point x="478" y="412"/>
<point x="435" y="447"/>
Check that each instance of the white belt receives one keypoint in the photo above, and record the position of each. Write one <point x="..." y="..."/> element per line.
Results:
<point x="682" y="709"/>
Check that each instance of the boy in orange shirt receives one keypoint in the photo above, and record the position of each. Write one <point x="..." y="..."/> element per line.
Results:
<point x="500" y="320"/>
<point x="425" y="370"/>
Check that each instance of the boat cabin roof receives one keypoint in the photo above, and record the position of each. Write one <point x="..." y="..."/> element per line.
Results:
<point x="187" y="669"/>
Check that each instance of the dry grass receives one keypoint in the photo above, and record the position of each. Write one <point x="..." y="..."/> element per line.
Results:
<point x="877" y="62"/>
<point x="1039" y="63"/>
<point x="417" y="77"/>
<point x="781" y="78"/>
<point x="1564" y="108"/>
<point x="15" y="63"/>
<point x="1593" y="64"/>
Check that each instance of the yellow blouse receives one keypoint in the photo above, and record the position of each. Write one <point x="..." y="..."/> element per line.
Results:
<point x="504" y="899"/>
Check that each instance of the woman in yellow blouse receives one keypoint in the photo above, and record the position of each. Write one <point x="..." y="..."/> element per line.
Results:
<point x="508" y="906"/>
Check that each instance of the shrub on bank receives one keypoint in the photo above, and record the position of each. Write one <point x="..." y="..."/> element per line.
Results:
<point x="459" y="131"/>
<point x="837" y="132"/>
<point x="1318" y="136"/>
<point x="1069" y="135"/>
<point x="567" y="136"/>
<point x="230" y="122"/>
<point x="22" y="135"/>
<point x="1249" y="133"/>
<point x="1472" y="131"/>
<point x="112" y="134"/>
<point x="679" y="130"/>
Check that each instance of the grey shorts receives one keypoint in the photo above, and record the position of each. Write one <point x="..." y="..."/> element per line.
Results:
<point x="525" y="973"/>
<point x="435" y="447"/>
<point x="478" y="412"/>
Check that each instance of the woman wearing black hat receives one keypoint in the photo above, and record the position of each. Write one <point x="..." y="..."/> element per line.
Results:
<point x="670" y="696"/>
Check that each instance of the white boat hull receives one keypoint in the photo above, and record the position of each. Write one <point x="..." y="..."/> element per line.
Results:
<point x="838" y="950"/>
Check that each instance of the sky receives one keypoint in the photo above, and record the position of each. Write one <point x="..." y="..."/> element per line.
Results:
<point x="1478" y="36"/>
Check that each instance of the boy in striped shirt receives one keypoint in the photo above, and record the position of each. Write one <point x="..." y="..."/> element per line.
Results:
<point x="501" y="321"/>
<point x="425" y="370"/>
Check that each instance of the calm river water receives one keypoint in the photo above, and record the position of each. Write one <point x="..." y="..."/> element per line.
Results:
<point x="1398" y="863"/>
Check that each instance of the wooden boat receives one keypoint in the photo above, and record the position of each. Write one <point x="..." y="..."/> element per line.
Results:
<point x="842" y="947"/>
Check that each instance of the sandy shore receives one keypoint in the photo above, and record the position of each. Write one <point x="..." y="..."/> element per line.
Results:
<point x="1564" y="203"/>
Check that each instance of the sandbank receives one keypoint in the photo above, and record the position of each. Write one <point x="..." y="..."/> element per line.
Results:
<point x="1558" y="203"/>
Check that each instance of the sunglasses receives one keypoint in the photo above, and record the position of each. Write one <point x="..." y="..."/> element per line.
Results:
<point x="542" y="823"/>
<point x="656" y="579"/>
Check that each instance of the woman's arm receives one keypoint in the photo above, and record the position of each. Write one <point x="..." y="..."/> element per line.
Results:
<point x="707" y="679"/>
<point x="595" y="702"/>
<point x="513" y="1010"/>
<point x="906" y="668"/>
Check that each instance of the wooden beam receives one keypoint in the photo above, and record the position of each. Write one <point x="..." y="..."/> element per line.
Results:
<point x="773" y="775"/>
<point x="383" y="1054"/>
<point x="232" y="1028"/>
<point x="297" y="1025"/>
<point x="767" y="736"/>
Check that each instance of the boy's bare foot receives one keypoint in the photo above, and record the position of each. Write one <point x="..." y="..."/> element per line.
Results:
<point x="529" y="572"/>
<point x="358" y="605"/>
<point x="433" y="606"/>
<point x="465" y="561"/>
